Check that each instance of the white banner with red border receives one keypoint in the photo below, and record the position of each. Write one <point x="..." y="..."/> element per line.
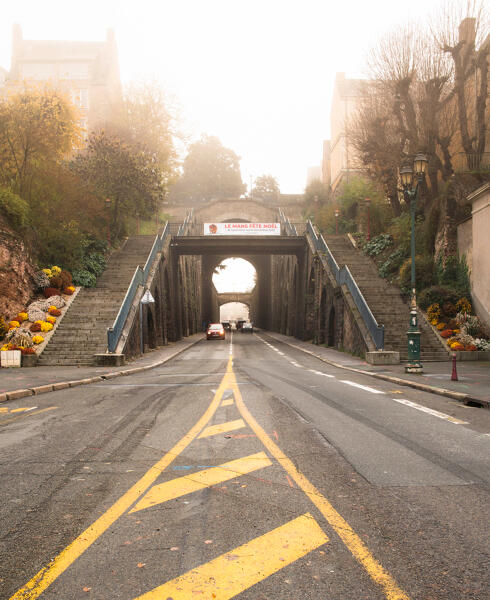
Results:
<point x="242" y="229"/>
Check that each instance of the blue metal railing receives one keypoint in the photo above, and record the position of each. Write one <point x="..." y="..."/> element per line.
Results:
<point x="140" y="277"/>
<point x="286" y="225"/>
<point x="343" y="276"/>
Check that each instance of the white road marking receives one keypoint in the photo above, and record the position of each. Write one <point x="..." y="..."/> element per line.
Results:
<point x="362" y="387"/>
<point x="320" y="373"/>
<point x="430" y="411"/>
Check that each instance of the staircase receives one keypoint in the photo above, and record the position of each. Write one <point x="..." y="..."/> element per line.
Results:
<point x="385" y="302"/>
<point x="83" y="329"/>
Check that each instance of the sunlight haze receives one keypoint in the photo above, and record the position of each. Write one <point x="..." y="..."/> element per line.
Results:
<point x="259" y="75"/>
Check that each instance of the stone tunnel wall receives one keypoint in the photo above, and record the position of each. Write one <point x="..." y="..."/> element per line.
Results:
<point x="175" y="284"/>
<point x="309" y="304"/>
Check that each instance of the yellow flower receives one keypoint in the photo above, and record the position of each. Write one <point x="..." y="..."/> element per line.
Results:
<point x="55" y="270"/>
<point x="22" y="316"/>
<point x="48" y="272"/>
<point x="52" y="307"/>
<point x="46" y="326"/>
<point x="38" y="322"/>
<point x="434" y="322"/>
<point x="5" y="347"/>
<point x="38" y="339"/>
<point x="51" y="320"/>
<point x="14" y="324"/>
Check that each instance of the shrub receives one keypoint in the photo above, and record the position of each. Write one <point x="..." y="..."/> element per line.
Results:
<point x="66" y="278"/>
<point x="449" y="310"/>
<point x="447" y="333"/>
<point x="56" y="282"/>
<point x="38" y="339"/>
<point x="392" y="264"/>
<point x="35" y="327"/>
<point x="46" y="327"/>
<point x="29" y="350"/>
<point x="463" y="305"/>
<point x="94" y="263"/>
<point x="14" y="324"/>
<point x="55" y="312"/>
<point x="424" y="277"/>
<point x="50" y="291"/>
<point x="3" y="328"/>
<point x="15" y="209"/>
<point x="470" y="348"/>
<point x="441" y="326"/>
<point x="457" y="346"/>
<point x="55" y="271"/>
<point x="378" y="244"/>
<point x="69" y="290"/>
<point x="84" y="278"/>
<point x="434" y="312"/>
<point x="437" y="294"/>
<point x="51" y="319"/>
<point x="453" y="272"/>
<point x="22" y="316"/>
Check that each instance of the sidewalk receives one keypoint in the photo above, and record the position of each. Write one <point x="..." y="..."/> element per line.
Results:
<point x="474" y="376"/>
<point x="27" y="379"/>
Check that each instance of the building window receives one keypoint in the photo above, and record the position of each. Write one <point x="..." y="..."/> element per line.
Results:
<point x="74" y="71"/>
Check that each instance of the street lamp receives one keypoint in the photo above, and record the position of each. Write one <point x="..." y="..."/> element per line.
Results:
<point x="337" y="213"/>
<point x="368" y="235"/>
<point x="108" y="209"/>
<point x="411" y="178"/>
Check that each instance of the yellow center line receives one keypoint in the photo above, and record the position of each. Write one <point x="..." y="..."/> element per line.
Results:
<point x="228" y="402"/>
<point x="350" y="538"/>
<point x="222" y="428"/>
<point x="230" y="574"/>
<point x="22" y="416"/>
<point x="45" y="577"/>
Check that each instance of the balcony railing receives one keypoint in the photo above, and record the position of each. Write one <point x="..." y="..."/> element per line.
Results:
<point x="468" y="163"/>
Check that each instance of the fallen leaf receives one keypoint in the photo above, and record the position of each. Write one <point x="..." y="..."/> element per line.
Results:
<point x="87" y="589"/>
<point x="141" y="565"/>
<point x="174" y="548"/>
<point x="208" y="542"/>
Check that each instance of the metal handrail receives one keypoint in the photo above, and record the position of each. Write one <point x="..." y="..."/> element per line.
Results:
<point x="343" y="276"/>
<point x="140" y="277"/>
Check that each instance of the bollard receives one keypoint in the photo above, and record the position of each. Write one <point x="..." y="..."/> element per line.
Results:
<point x="454" y="374"/>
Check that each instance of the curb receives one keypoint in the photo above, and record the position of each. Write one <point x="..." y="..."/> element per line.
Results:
<point x="61" y="385"/>
<point x="464" y="398"/>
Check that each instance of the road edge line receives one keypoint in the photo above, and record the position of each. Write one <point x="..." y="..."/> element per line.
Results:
<point x="461" y="397"/>
<point x="22" y="393"/>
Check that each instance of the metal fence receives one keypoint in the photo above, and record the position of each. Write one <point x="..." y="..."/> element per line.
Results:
<point x="140" y="278"/>
<point x="343" y="276"/>
<point x="467" y="163"/>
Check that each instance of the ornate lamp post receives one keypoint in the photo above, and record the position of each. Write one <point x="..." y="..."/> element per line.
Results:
<point x="108" y="209"/>
<point x="410" y="180"/>
<point x="337" y="213"/>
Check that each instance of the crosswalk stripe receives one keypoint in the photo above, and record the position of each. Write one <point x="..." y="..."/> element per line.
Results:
<point x="227" y="402"/>
<point x="222" y="428"/>
<point x="202" y="479"/>
<point x="230" y="574"/>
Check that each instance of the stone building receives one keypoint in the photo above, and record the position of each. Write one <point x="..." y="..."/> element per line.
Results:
<point x="338" y="151"/>
<point x="87" y="71"/>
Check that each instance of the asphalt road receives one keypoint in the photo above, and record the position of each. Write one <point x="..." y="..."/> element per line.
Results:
<point x="246" y="469"/>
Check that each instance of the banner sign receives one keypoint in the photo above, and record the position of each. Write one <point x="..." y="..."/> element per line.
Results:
<point x="242" y="229"/>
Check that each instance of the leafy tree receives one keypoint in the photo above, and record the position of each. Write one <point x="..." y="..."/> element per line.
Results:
<point x="266" y="187"/>
<point x="130" y="178"/>
<point x="37" y="128"/>
<point x="209" y="171"/>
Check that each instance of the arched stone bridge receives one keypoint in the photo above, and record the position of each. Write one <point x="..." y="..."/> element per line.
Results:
<point x="243" y="297"/>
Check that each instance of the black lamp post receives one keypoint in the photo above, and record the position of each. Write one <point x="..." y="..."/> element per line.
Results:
<point x="337" y="213"/>
<point x="108" y="209"/>
<point x="411" y="178"/>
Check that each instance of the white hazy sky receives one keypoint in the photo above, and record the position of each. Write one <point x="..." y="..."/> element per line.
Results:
<point x="257" y="73"/>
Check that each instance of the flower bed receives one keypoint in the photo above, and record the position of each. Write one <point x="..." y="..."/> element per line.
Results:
<point x="29" y="331"/>
<point x="461" y="331"/>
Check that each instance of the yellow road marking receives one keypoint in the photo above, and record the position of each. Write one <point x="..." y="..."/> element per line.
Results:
<point x="45" y="577"/>
<point x="202" y="479"/>
<point x="36" y="412"/>
<point x="3" y="409"/>
<point x="230" y="574"/>
<point x="227" y="402"/>
<point x="222" y="428"/>
<point x="14" y="410"/>
<point x="350" y="538"/>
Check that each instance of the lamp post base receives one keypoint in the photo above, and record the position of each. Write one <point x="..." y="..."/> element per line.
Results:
<point x="414" y="368"/>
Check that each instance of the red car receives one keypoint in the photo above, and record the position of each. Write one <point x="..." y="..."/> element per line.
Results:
<point x="215" y="331"/>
